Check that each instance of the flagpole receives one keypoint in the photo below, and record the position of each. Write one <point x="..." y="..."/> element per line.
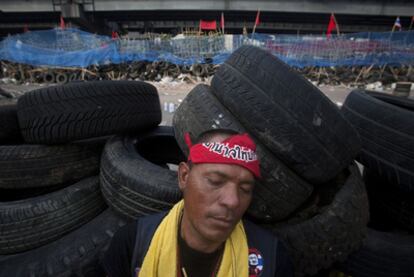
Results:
<point x="254" y="29"/>
<point x="411" y="24"/>
<point x="336" y="24"/>
<point x="222" y="22"/>
<point x="255" y="23"/>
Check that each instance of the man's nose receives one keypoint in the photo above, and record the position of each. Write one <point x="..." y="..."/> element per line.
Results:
<point x="230" y="196"/>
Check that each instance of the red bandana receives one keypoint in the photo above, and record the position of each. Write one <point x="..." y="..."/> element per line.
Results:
<point x="237" y="149"/>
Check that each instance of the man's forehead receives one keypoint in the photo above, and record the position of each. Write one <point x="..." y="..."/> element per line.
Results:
<point x="217" y="138"/>
<point x="224" y="170"/>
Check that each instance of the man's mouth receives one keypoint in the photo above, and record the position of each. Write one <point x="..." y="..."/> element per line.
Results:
<point x="223" y="221"/>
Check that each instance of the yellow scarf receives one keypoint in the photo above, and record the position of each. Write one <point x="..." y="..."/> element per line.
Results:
<point x="161" y="258"/>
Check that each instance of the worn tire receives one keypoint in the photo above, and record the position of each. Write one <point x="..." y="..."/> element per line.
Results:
<point x="386" y="127"/>
<point x="49" y="77"/>
<point x="76" y="254"/>
<point x="199" y="70"/>
<point x="9" y="125"/>
<point x="289" y="115"/>
<point x="62" y="78"/>
<point x="131" y="184"/>
<point x="32" y="222"/>
<point x="331" y="234"/>
<point x="383" y="254"/>
<point x="31" y="166"/>
<point x="89" y="109"/>
<point x="280" y="191"/>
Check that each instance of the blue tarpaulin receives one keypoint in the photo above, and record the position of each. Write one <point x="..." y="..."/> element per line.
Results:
<point x="75" y="48"/>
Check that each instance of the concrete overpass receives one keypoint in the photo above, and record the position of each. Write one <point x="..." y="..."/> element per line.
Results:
<point x="277" y="16"/>
<point x="361" y="7"/>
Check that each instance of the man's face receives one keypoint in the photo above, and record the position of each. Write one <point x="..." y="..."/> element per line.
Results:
<point x="216" y="197"/>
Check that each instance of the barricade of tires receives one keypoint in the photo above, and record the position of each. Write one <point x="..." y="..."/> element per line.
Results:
<point x="53" y="217"/>
<point x="311" y="195"/>
<point x="385" y="124"/>
<point x="357" y="75"/>
<point x="138" y="71"/>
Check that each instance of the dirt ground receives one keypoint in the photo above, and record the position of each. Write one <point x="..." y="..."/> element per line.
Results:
<point x="172" y="94"/>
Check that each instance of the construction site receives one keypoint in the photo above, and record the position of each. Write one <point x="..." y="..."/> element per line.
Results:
<point x="97" y="96"/>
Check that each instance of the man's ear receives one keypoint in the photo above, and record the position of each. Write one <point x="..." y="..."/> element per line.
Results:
<point x="183" y="175"/>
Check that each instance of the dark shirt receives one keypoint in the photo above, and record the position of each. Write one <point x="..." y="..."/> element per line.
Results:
<point x="197" y="263"/>
<point x="118" y="261"/>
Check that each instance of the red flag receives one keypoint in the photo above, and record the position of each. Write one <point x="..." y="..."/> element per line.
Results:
<point x="115" y="35"/>
<point x="208" y="25"/>
<point x="331" y="25"/>
<point x="257" y="22"/>
<point x="222" y="22"/>
<point x="62" y="23"/>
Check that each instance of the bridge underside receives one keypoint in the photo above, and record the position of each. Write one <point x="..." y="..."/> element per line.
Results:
<point x="282" y="16"/>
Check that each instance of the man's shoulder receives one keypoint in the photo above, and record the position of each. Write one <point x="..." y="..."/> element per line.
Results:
<point x="255" y="231"/>
<point x="152" y="219"/>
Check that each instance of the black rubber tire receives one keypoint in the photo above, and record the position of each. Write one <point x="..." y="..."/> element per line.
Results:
<point x="387" y="134"/>
<point x="388" y="204"/>
<point x="199" y="70"/>
<point x="333" y="233"/>
<point x="9" y="124"/>
<point x="404" y="103"/>
<point x="32" y="222"/>
<point x="383" y="254"/>
<point x="31" y="166"/>
<point x="76" y="254"/>
<point x="279" y="193"/>
<point x="132" y="185"/>
<point x="289" y="115"/>
<point x="62" y="78"/>
<point x="88" y="109"/>
<point x="49" y="77"/>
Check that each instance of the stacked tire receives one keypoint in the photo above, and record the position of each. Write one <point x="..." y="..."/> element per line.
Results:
<point x="311" y="194"/>
<point x="54" y="219"/>
<point x="386" y="126"/>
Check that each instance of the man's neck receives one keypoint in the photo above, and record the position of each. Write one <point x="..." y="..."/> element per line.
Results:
<point x="194" y="239"/>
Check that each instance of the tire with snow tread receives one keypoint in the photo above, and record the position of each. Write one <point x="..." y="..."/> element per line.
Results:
<point x="134" y="186"/>
<point x="386" y="127"/>
<point x="77" y="254"/>
<point x="333" y="233"/>
<point x="32" y="222"/>
<point x="289" y="115"/>
<point x="32" y="166"/>
<point x="89" y="109"/>
<point x="280" y="191"/>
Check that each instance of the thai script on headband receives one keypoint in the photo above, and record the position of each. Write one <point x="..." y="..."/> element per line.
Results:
<point x="236" y="152"/>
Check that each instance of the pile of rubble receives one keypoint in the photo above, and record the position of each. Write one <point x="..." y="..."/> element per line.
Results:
<point x="155" y="71"/>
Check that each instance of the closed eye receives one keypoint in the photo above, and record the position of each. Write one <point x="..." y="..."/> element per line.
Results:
<point x="248" y="189"/>
<point x="214" y="182"/>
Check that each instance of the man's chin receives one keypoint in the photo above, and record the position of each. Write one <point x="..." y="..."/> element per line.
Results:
<point x="218" y="233"/>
